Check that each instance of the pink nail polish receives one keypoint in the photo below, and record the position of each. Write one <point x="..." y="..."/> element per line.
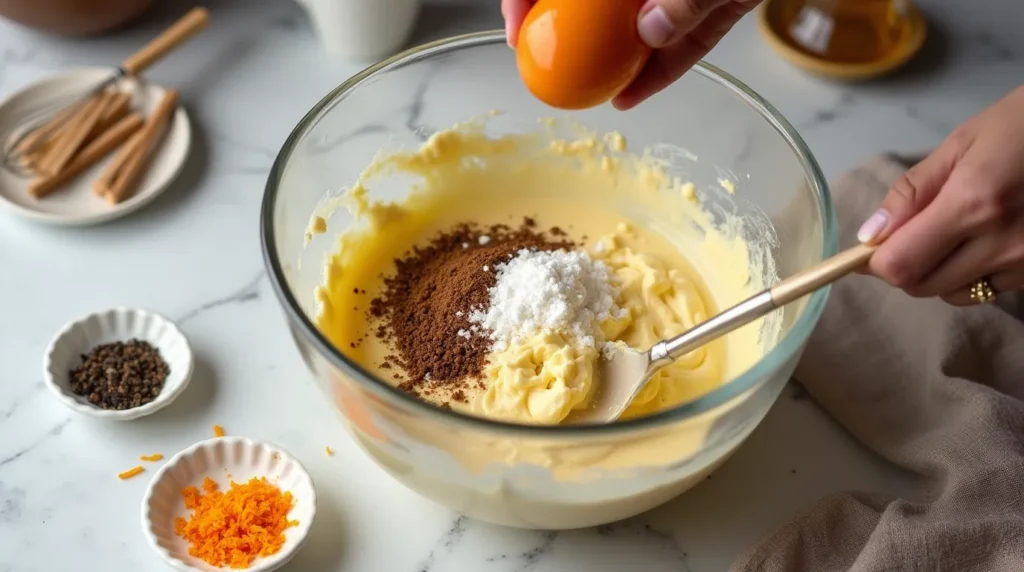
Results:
<point x="874" y="226"/>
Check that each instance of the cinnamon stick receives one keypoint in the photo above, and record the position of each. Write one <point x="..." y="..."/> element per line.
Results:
<point x="102" y="185"/>
<point x="130" y="173"/>
<point x="74" y="136"/>
<point x="92" y="153"/>
<point x="117" y="107"/>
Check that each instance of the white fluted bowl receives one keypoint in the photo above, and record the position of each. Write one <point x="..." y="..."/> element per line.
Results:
<point x="225" y="459"/>
<point x="117" y="324"/>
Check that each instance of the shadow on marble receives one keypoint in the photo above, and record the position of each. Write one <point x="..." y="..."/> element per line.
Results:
<point x="325" y="547"/>
<point x="12" y="500"/>
<point x="441" y="20"/>
<point x="193" y="172"/>
<point x="190" y="408"/>
<point x="630" y="545"/>
<point x="933" y="57"/>
<point x="188" y="182"/>
<point x="778" y="471"/>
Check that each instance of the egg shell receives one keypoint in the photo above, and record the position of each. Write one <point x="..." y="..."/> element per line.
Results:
<point x="576" y="54"/>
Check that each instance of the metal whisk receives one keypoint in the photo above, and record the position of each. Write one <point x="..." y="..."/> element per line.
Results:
<point x="36" y="128"/>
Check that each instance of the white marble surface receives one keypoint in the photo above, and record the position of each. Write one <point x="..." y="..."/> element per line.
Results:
<point x="194" y="255"/>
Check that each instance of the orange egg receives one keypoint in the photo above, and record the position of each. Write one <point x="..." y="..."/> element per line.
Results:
<point x="575" y="54"/>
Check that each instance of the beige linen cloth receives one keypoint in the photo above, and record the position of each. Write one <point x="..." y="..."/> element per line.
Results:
<point x="934" y="389"/>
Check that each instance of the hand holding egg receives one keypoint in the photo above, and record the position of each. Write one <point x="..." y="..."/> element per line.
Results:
<point x="574" y="54"/>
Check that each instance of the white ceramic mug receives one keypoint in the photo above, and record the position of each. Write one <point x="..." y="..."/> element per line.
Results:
<point x="362" y="29"/>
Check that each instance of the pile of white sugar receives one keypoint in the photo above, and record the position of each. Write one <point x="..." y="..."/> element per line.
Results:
<point x="540" y="292"/>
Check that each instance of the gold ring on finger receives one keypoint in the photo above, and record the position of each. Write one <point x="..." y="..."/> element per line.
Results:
<point x="982" y="291"/>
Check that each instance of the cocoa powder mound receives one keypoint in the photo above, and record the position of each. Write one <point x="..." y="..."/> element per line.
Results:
<point x="425" y="304"/>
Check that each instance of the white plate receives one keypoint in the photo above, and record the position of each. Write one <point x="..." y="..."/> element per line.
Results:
<point x="74" y="203"/>
<point x="117" y="324"/>
<point x="225" y="459"/>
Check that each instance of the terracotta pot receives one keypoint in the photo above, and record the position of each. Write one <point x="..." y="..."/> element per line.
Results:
<point x="73" y="17"/>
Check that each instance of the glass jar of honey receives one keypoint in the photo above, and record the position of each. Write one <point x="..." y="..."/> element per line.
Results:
<point x="843" y="31"/>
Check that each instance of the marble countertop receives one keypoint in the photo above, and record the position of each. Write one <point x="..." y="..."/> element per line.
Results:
<point x="247" y="81"/>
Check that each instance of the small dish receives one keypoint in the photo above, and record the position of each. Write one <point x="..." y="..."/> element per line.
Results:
<point x="117" y="324"/>
<point x="908" y="47"/>
<point x="75" y="204"/>
<point x="225" y="459"/>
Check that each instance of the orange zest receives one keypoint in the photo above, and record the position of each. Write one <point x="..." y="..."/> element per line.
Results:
<point x="130" y="472"/>
<point x="234" y="528"/>
<point x="218" y="431"/>
<point x="151" y="458"/>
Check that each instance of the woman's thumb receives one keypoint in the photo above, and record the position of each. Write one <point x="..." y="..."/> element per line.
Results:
<point x="662" y="22"/>
<point x="909" y="195"/>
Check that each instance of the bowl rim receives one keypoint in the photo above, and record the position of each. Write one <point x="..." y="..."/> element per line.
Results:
<point x="784" y="350"/>
<point x="174" y="386"/>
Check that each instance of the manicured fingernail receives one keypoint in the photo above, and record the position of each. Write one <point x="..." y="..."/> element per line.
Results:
<point x="874" y="226"/>
<point x="655" y="28"/>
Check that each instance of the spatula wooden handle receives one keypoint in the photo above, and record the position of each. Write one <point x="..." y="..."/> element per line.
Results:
<point x="189" y="25"/>
<point x="825" y="272"/>
<point x="760" y="304"/>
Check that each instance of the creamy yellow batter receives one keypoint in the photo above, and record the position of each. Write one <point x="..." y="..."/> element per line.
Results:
<point x="669" y="271"/>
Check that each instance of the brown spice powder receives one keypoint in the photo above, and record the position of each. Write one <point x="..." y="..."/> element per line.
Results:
<point x="426" y="302"/>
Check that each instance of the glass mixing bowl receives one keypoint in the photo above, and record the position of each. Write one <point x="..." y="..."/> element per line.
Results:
<point x="541" y="476"/>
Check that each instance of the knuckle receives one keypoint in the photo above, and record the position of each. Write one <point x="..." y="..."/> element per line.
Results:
<point x="895" y="271"/>
<point x="905" y="188"/>
<point x="1012" y="253"/>
<point x="986" y="201"/>
<point x="978" y="207"/>
<point x="1002" y="209"/>
<point x="699" y="6"/>
<point x="961" y="136"/>
<point x="682" y="11"/>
